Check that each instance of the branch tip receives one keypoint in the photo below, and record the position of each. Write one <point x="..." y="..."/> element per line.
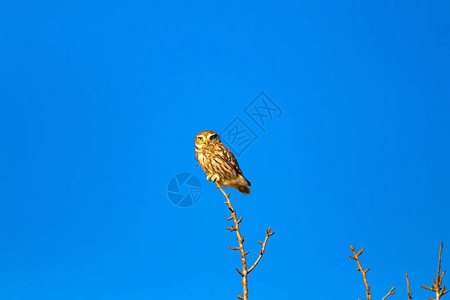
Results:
<point x="360" y="252"/>
<point x="409" y="291"/>
<point x="391" y="292"/>
<point x="355" y="257"/>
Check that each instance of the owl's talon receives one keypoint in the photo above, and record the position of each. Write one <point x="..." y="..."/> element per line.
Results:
<point x="215" y="178"/>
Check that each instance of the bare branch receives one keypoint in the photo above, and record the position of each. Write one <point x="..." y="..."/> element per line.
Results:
<point x="436" y="286"/>
<point x="241" y="243"/>
<point x="391" y="292"/>
<point x="439" y="264"/>
<point x="231" y="228"/>
<point x="240" y="239"/>
<point x="409" y="291"/>
<point x="360" y="252"/>
<point x="355" y="257"/>
<point x="268" y="233"/>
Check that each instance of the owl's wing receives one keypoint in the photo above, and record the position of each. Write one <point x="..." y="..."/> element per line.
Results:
<point x="229" y="158"/>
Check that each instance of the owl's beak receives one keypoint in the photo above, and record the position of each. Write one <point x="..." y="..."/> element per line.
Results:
<point x="206" y="142"/>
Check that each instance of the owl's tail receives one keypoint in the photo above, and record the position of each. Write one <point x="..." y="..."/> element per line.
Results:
<point x="244" y="190"/>
<point x="241" y="184"/>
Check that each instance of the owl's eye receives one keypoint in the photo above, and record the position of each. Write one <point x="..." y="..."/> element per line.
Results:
<point x="200" y="139"/>
<point x="213" y="137"/>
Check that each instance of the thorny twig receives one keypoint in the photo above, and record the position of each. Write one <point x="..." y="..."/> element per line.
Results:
<point x="245" y="271"/>
<point x="364" y="272"/>
<point x="436" y="286"/>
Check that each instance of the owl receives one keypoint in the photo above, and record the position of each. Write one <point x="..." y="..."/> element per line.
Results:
<point x="219" y="163"/>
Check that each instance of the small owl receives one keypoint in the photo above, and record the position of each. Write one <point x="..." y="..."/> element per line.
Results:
<point x="219" y="163"/>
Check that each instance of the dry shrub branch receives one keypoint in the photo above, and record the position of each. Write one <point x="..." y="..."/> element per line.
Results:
<point x="245" y="271"/>
<point x="436" y="287"/>
<point x="364" y="272"/>
<point x="409" y="291"/>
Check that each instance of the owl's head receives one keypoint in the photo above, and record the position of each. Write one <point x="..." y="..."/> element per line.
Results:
<point x="205" y="138"/>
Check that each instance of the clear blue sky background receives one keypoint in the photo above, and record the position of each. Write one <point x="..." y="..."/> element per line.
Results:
<point x="100" y="103"/>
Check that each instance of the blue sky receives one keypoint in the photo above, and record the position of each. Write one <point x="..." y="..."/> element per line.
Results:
<point x="100" y="103"/>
